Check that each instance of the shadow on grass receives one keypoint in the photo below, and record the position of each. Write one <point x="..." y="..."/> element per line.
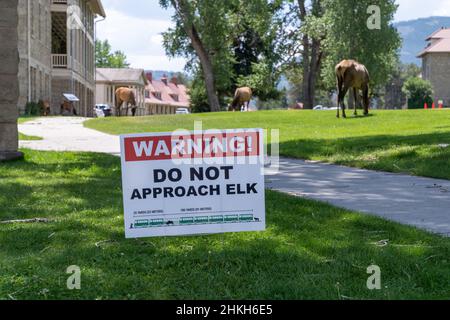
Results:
<point x="53" y="185"/>
<point x="310" y="250"/>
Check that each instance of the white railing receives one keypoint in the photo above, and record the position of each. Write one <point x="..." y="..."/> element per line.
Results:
<point x="59" y="61"/>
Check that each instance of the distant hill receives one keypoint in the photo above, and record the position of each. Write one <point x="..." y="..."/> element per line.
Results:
<point x="414" y="33"/>
<point x="158" y="74"/>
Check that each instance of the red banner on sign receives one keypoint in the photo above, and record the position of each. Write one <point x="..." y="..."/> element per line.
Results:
<point x="214" y="145"/>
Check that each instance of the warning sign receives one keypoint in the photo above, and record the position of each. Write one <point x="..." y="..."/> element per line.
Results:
<point x="193" y="183"/>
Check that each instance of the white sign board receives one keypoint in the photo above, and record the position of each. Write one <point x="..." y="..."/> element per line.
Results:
<point x="193" y="183"/>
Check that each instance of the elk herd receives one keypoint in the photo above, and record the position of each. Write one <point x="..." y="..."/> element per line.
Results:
<point x="350" y="76"/>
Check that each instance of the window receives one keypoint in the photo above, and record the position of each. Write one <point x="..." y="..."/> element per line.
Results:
<point x="40" y="22"/>
<point x="32" y="22"/>
<point x="157" y="95"/>
<point x="147" y="94"/>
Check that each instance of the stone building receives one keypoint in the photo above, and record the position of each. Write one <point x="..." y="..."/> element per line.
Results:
<point x="436" y="64"/>
<point x="9" y="86"/>
<point x="108" y="80"/>
<point x="57" y="52"/>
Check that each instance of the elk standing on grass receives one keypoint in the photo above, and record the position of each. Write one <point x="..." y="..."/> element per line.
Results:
<point x="351" y="74"/>
<point x="242" y="98"/>
<point x="125" y="95"/>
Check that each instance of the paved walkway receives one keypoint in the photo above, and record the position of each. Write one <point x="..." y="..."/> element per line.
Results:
<point x="67" y="134"/>
<point x="421" y="202"/>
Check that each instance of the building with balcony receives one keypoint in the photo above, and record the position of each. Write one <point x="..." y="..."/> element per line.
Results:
<point x="57" y="52"/>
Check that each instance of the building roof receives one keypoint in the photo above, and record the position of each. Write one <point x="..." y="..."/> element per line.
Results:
<point x="122" y="76"/>
<point x="443" y="33"/>
<point x="98" y="8"/>
<point x="168" y="89"/>
<point x="440" y="43"/>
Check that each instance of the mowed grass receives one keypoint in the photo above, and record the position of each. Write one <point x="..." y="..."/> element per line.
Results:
<point x="407" y="141"/>
<point x="309" y="251"/>
<point x="24" y="136"/>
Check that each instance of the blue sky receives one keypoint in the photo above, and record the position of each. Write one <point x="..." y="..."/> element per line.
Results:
<point x="135" y="27"/>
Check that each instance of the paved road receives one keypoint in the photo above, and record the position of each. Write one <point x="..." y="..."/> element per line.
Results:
<point x="421" y="202"/>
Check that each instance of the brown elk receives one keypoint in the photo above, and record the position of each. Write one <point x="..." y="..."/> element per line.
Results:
<point x="242" y="98"/>
<point x="351" y="74"/>
<point x="127" y="96"/>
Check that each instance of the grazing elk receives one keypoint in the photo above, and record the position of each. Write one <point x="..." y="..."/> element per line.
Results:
<point x="351" y="74"/>
<point x="125" y="95"/>
<point x="242" y="98"/>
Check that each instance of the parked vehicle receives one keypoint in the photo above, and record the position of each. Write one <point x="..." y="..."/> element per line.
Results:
<point x="182" y="111"/>
<point x="102" y="110"/>
<point x="322" y="108"/>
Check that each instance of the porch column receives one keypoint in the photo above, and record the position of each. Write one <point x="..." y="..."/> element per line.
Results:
<point x="9" y="83"/>
<point x="114" y="99"/>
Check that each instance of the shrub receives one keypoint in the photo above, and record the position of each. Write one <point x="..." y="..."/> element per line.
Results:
<point x="32" y="109"/>
<point x="418" y="91"/>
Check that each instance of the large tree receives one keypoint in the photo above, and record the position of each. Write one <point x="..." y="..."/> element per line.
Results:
<point x="324" y="32"/>
<point x="302" y="31"/>
<point x="227" y="44"/>
<point x="105" y="58"/>
<point x="313" y="34"/>
<point x="199" y="31"/>
<point x="361" y="30"/>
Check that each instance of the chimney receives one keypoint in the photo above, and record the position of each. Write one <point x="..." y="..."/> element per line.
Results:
<point x="174" y="80"/>
<point x="164" y="79"/>
<point x="149" y="76"/>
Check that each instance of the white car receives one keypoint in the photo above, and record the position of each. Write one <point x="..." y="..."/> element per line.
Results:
<point x="102" y="110"/>
<point x="182" y="111"/>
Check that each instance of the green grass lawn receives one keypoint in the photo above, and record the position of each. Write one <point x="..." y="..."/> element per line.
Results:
<point x="413" y="141"/>
<point x="309" y="251"/>
<point x="24" y="136"/>
<point x="23" y="119"/>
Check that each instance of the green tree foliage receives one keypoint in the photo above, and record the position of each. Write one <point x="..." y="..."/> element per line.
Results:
<point x="237" y="36"/>
<point x="254" y="42"/>
<point x="418" y="92"/>
<point x="105" y="58"/>
<point x="318" y="34"/>
<point x="349" y="37"/>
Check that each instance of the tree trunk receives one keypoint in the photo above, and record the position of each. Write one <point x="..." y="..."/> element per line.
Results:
<point x="182" y="9"/>
<point x="207" y="68"/>
<point x="306" y="97"/>
<point x="314" y="70"/>
<point x="312" y="59"/>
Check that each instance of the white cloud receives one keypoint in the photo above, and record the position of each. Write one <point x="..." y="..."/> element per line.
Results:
<point x="136" y="29"/>
<point x="413" y="9"/>
<point x="140" y="39"/>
